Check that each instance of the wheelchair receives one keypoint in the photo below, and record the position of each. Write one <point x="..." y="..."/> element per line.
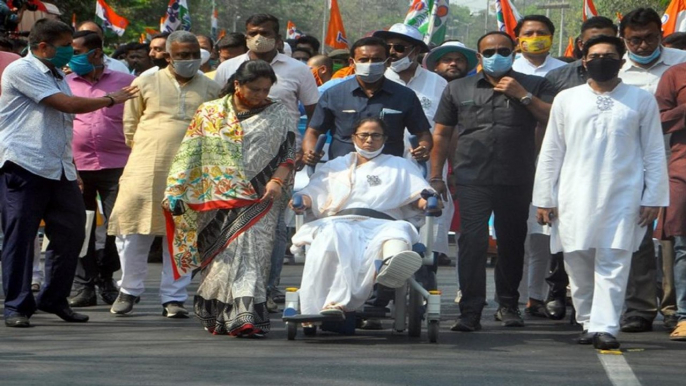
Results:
<point x="412" y="304"/>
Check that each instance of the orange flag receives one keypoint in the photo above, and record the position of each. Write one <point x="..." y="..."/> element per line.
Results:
<point x="569" y="52"/>
<point x="674" y="19"/>
<point x="335" y="35"/>
<point x="589" y="9"/>
<point x="507" y="17"/>
<point x="222" y="33"/>
<point x="73" y="21"/>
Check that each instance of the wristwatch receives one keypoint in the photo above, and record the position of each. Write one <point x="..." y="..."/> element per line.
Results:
<point x="526" y="99"/>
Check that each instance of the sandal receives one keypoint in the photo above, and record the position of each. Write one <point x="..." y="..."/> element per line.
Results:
<point x="679" y="333"/>
<point x="396" y="270"/>
<point x="333" y="309"/>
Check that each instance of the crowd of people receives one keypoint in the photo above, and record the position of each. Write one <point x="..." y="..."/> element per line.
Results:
<point x="197" y="142"/>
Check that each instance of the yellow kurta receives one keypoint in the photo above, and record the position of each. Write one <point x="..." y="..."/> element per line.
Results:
<point x="154" y="125"/>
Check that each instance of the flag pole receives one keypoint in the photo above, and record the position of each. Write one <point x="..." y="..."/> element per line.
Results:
<point x="326" y="8"/>
<point x="430" y="29"/>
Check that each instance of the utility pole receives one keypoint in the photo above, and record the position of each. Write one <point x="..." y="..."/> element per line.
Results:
<point x="561" y="7"/>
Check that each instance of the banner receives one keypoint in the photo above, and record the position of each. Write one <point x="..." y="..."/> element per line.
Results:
<point x="177" y="16"/>
<point x="674" y="19"/>
<point x="589" y="9"/>
<point x="335" y="34"/>
<point x="507" y="17"/>
<point x="110" y="19"/>
<point x="429" y="17"/>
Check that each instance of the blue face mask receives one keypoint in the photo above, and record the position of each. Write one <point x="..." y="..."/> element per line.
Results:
<point x="497" y="65"/>
<point x="645" y="59"/>
<point x="62" y="56"/>
<point x="81" y="65"/>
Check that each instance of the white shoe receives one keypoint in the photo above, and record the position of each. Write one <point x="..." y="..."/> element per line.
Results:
<point x="396" y="270"/>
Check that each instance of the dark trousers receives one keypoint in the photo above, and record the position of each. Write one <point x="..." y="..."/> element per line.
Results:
<point x="510" y="207"/>
<point x="26" y="199"/>
<point x="641" y="290"/>
<point x="97" y="266"/>
<point x="557" y="277"/>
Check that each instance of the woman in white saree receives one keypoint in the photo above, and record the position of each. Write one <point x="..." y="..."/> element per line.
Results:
<point x="360" y="237"/>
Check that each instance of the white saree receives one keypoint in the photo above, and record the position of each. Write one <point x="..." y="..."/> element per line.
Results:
<point x="340" y="265"/>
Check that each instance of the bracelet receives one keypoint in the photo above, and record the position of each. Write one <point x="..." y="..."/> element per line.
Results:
<point x="112" y="102"/>
<point x="278" y="181"/>
<point x="436" y="180"/>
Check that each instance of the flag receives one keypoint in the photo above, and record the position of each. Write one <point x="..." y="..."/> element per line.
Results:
<point x="335" y="35"/>
<point x="142" y="39"/>
<point x="292" y="31"/>
<point x="674" y="19"/>
<point x="213" y="19"/>
<point x="589" y="9"/>
<point x="222" y="33"/>
<point x="149" y="33"/>
<point x="177" y="16"/>
<point x="507" y="17"/>
<point x="73" y="21"/>
<point x="569" y="52"/>
<point x="429" y="16"/>
<point x="162" y="19"/>
<point x="110" y="19"/>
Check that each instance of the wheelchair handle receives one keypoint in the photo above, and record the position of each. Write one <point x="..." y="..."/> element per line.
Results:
<point x="432" y="203"/>
<point x="298" y="201"/>
<point x="321" y="141"/>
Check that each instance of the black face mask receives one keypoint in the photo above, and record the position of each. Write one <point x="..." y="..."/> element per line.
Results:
<point x="603" y="69"/>
<point x="161" y="63"/>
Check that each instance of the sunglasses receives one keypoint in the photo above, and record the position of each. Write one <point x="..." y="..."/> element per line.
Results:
<point x="399" y="48"/>
<point x="500" y="51"/>
<point x="373" y="136"/>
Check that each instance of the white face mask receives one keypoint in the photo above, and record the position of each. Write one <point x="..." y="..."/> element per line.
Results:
<point x="186" y="68"/>
<point x="260" y="44"/>
<point x="370" y="72"/>
<point x="402" y="64"/>
<point x="368" y="154"/>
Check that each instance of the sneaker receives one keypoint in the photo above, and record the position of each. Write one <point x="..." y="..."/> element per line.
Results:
<point x="509" y="316"/>
<point x="124" y="304"/>
<point x="636" y="324"/>
<point x="536" y="308"/>
<point x="272" y="307"/>
<point x="467" y="323"/>
<point x="174" y="310"/>
<point x="277" y="296"/>
<point x="371" y="324"/>
<point x="396" y="270"/>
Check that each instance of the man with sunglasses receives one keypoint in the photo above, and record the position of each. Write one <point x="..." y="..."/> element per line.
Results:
<point x="497" y="111"/>
<point x="646" y="61"/>
<point x="405" y="44"/>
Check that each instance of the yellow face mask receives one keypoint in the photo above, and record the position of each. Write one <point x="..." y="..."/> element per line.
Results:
<point x="536" y="44"/>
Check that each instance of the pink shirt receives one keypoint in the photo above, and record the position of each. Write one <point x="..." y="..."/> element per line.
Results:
<point x="99" y="136"/>
<point x="5" y="59"/>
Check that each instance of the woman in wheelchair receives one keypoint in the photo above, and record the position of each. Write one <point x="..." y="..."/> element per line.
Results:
<point x="367" y="206"/>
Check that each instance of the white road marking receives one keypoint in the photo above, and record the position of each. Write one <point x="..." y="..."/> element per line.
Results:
<point x="618" y="370"/>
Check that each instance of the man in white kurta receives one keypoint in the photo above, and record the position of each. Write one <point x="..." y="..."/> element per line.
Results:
<point x="340" y="267"/>
<point x="601" y="168"/>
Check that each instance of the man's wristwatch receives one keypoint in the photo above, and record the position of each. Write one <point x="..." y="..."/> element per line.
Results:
<point x="526" y="99"/>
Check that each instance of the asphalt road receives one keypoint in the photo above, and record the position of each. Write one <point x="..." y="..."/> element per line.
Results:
<point x="147" y="349"/>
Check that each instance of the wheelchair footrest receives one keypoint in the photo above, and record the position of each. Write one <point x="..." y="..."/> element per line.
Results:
<point x="312" y="318"/>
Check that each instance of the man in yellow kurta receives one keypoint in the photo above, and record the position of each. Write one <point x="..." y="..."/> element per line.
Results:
<point x="154" y="125"/>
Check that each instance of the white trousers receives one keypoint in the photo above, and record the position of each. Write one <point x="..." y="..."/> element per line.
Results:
<point x="598" y="279"/>
<point x="133" y="255"/>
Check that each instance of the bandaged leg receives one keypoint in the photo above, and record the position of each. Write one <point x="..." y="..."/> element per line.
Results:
<point x="398" y="265"/>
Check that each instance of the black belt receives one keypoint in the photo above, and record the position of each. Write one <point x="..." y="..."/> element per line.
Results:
<point x="365" y="212"/>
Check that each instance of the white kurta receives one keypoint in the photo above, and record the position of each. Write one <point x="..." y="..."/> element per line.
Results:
<point x="340" y="262"/>
<point x="429" y="87"/>
<point x="602" y="159"/>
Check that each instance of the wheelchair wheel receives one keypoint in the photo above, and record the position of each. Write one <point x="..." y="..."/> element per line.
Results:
<point x="310" y="331"/>
<point x="432" y="330"/>
<point x="292" y="330"/>
<point x="414" y="323"/>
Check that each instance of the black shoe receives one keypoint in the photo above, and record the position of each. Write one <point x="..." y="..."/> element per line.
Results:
<point x="108" y="291"/>
<point x="17" y="320"/>
<point x="467" y="323"/>
<point x="556" y="308"/>
<point x="66" y="313"/>
<point x="536" y="308"/>
<point x="605" y="341"/>
<point x="636" y="324"/>
<point x="444" y="260"/>
<point x="510" y="316"/>
<point x="84" y="298"/>
<point x="124" y="304"/>
<point x="670" y="322"/>
<point x="586" y="337"/>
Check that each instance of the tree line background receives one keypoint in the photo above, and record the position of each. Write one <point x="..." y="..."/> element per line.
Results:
<point x="359" y="16"/>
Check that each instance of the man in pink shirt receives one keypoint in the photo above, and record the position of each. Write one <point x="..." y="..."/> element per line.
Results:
<point x="100" y="154"/>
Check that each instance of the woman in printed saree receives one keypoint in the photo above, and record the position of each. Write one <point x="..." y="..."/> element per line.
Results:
<point x="361" y="201"/>
<point x="224" y="191"/>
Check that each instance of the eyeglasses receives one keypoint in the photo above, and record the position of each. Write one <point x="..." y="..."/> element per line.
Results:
<point x="600" y="56"/>
<point x="365" y="136"/>
<point x="500" y="51"/>
<point x="649" y="40"/>
<point x="399" y="48"/>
